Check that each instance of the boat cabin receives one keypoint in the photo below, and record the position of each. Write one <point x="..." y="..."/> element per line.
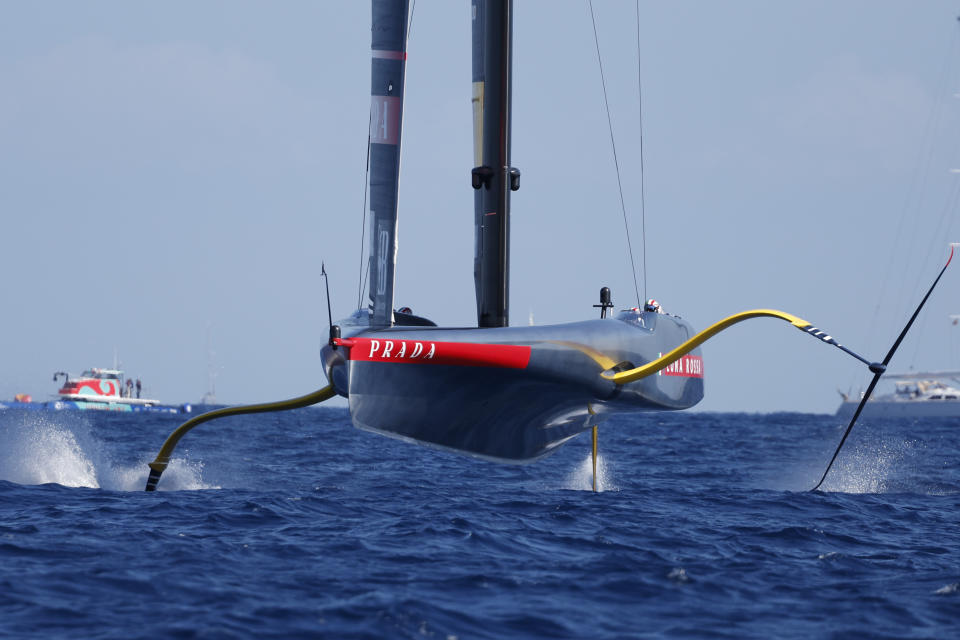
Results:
<point x="92" y="382"/>
<point x="925" y="390"/>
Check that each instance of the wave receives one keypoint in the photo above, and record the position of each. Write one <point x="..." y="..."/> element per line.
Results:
<point x="55" y="447"/>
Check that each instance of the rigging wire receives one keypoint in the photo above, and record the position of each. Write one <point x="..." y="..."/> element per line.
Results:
<point x="643" y="206"/>
<point x="616" y="162"/>
<point x="363" y="227"/>
<point x="913" y="204"/>
<point x="943" y="228"/>
<point x="413" y="7"/>
<point x="952" y="198"/>
<point x="944" y="225"/>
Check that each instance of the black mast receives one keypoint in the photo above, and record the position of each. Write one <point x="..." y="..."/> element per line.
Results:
<point x="388" y="62"/>
<point x="493" y="177"/>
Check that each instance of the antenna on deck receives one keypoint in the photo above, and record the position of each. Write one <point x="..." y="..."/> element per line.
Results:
<point x="605" y="302"/>
<point x="334" y="329"/>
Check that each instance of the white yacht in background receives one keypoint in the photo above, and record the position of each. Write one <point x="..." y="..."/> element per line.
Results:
<point x="925" y="394"/>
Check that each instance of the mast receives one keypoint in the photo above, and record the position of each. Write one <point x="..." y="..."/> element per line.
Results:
<point x="387" y="64"/>
<point x="492" y="177"/>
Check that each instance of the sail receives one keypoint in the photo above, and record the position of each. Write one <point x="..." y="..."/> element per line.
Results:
<point x="387" y="64"/>
<point x="493" y="177"/>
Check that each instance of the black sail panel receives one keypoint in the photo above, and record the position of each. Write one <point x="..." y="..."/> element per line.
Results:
<point x="388" y="61"/>
<point x="493" y="177"/>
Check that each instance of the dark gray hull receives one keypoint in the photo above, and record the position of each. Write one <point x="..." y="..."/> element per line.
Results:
<point x="512" y="394"/>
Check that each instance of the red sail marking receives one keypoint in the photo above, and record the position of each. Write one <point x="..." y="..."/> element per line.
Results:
<point x="687" y="366"/>
<point x="462" y="354"/>
<point x="388" y="55"/>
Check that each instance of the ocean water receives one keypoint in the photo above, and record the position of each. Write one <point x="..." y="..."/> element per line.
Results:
<point x="297" y="525"/>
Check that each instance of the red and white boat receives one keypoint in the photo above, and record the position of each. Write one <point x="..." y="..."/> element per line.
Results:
<point x="100" y="389"/>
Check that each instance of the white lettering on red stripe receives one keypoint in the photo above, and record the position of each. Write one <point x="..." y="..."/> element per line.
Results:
<point x="446" y="353"/>
<point x="687" y="366"/>
<point x="388" y="352"/>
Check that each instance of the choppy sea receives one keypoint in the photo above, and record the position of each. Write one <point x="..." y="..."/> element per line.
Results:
<point x="297" y="525"/>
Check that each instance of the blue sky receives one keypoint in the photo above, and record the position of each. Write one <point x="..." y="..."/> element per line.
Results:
<point x="177" y="170"/>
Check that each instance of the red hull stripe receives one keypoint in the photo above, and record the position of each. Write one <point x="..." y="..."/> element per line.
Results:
<point x="461" y="354"/>
<point x="688" y="367"/>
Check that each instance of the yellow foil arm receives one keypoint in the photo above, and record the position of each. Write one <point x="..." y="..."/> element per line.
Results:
<point x="623" y="377"/>
<point x="158" y="466"/>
